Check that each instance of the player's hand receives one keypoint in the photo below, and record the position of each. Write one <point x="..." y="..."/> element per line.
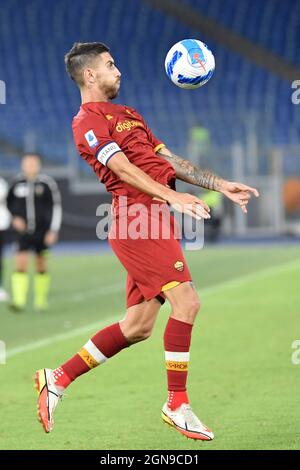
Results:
<point x="50" y="238"/>
<point x="19" y="224"/>
<point x="188" y="204"/>
<point x="239" y="193"/>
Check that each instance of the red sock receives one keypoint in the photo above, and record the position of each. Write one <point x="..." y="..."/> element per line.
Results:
<point x="175" y="399"/>
<point x="106" y="343"/>
<point x="61" y="378"/>
<point x="177" y="339"/>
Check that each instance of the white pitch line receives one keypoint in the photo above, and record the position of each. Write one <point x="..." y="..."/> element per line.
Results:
<point x="60" y="337"/>
<point x="231" y="284"/>
<point x="87" y="294"/>
<point x="240" y="281"/>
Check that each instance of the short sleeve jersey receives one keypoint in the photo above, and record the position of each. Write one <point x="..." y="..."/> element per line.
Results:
<point x="101" y="129"/>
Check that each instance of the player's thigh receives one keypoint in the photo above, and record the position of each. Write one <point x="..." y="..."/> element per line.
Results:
<point x="139" y="319"/>
<point x="184" y="301"/>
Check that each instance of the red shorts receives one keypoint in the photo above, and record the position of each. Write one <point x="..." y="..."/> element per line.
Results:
<point x="153" y="260"/>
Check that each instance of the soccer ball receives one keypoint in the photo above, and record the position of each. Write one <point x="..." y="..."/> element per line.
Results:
<point x="189" y="63"/>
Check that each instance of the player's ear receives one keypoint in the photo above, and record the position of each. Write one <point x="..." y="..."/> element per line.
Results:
<point x="89" y="76"/>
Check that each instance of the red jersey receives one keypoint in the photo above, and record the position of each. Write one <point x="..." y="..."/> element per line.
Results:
<point x="102" y="129"/>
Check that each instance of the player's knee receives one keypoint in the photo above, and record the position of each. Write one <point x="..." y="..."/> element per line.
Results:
<point x="189" y="308"/>
<point x="144" y="334"/>
<point x="193" y="306"/>
<point x="197" y="304"/>
<point x="192" y="303"/>
<point x="138" y="333"/>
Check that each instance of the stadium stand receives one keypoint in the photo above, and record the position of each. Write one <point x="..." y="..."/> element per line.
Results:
<point x="41" y="100"/>
<point x="272" y="24"/>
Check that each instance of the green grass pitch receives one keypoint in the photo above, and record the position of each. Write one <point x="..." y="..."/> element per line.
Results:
<point x="242" y="382"/>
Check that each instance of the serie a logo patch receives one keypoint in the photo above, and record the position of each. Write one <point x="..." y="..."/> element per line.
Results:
<point x="91" y="138"/>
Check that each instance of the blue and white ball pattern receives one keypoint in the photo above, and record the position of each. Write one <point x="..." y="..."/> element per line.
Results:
<point x="190" y="63"/>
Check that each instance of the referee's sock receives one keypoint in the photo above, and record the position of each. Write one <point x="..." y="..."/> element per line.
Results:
<point x="41" y="290"/>
<point x="19" y="288"/>
<point x="103" y="345"/>
<point x="177" y="339"/>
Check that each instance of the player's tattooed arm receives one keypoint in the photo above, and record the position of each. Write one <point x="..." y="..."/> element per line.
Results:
<point x="192" y="174"/>
<point x="186" y="171"/>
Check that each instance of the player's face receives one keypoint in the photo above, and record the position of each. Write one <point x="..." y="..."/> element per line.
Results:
<point x="31" y="166"/>
<point x="108" y="77"/>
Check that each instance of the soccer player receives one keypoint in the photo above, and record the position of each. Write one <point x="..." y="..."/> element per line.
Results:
<point x="34" y="203"/>
<point x="117" y="143"/>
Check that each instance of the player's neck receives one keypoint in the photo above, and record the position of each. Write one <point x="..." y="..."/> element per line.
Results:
<point x="88" y="96"/>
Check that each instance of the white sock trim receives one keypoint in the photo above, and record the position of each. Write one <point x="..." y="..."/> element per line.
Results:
<point x="95" y="352"/>
<point x="177" y="356"/>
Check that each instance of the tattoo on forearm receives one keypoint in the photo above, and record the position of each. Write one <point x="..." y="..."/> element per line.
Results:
<point x="192" y="174"/>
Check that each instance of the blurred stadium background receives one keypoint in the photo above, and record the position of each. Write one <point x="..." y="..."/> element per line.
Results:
<point x="253" y="126"/>
<point x="243" y="125"/>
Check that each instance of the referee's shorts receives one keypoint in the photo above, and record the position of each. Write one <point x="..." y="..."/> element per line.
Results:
<point x="32" y="242"/>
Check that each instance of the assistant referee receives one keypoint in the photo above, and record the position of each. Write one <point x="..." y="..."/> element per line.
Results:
<point x="35" y="205"/>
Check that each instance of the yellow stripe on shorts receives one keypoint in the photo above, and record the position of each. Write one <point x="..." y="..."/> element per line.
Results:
<point x="158" y="147"/>
<point x="170" y="285"/>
